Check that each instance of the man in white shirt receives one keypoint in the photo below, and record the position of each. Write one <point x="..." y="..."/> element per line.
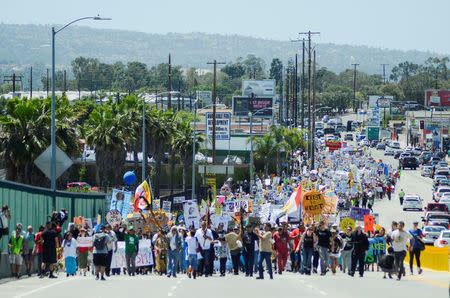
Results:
<point x="400" y="238"/>
<point x="192" y="246"/>
<point x="205" y="237"/>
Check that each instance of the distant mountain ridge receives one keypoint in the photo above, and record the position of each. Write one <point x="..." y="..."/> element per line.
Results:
<point x="22" y="45"/>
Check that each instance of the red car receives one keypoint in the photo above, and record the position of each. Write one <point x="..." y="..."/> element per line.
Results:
<point x="73" y="185"/>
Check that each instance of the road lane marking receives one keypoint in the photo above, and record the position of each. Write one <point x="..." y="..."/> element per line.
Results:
<point x="323" y="293"/>
<point x="41" y="288"/>
<point x="431" y="282"/>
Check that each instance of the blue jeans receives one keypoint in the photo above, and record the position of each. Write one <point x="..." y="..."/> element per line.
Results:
<point x="324" y="256"/>
<point x="193" y="261"/>
<point x="172" y="265"/>
<point x="256" y="261"/>
<point x="307" y="256"/>
<point x="249" y="258"/>
<point x="265" y="256"/>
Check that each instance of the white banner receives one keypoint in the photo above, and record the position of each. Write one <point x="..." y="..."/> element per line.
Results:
<point x="84" y="241"/>
<point x="191" y="214"/>
<point x="143" y="258"/>
<point x="223" y="124"/>
<point x="167" y="205"/>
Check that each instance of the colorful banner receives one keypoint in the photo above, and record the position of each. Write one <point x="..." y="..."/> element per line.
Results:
<point x="142" y="197"/>
<point x="358" y="213"/>
<point x="191" y="214"/>
<point x="120" y="201"/>
<point x="143" y="258"/>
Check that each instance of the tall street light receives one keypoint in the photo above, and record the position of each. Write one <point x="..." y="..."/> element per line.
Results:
<point x="53" y="126"/>
<point x="251" y="114"/>
<point x="144" y="157"/>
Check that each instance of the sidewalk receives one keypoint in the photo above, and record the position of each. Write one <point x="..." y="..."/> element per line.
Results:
<point x="436" y="278"/>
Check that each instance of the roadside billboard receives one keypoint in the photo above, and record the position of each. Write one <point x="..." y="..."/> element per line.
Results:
<point x="243" y="105"/>
<point x="437" y="98"/>
<point x="258" y="87"/>
<point x="223" y="125"/>
<point x="374" y="98"/>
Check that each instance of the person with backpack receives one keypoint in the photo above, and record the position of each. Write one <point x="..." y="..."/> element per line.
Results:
<point x="387" y="263"/>
<point x="100" y="252"/>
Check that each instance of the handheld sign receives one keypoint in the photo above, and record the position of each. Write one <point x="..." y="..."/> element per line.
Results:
<point x="313" y="203"/>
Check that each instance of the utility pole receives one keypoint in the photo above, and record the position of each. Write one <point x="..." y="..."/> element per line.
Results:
<point x="313" y="146"/>
<point x="296" y="92"/>
<point x="311" y="133"/>
<point x="13" y="79"/>
<point x="65" y="81"/>
<point x="354" y="87"/>
<point x="384" y="73"/>
<point x="31" y="82"/>
<point x="169" y="87"/>
<point x="287" y="100"/>
<point x="303" y="84"/>
<point x="280" y="107"/>
<point x="47" y="82"/>
<point x="214" y="99"/>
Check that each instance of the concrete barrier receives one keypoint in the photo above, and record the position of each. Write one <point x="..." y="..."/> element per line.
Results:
<point x="434" y="258"/>
<point x="5" y="270"/>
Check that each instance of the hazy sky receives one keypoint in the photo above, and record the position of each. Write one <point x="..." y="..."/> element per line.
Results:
<point x="393" y="24"/>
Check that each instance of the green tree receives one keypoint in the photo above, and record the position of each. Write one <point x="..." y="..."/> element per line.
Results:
<point x="276" y="70"/>
<point x="234" y="70"/>
<point x="255" y="67"/>
<point x="264" y="149"/>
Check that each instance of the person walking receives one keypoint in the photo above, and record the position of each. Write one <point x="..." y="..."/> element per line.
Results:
<point x="112" y="247"/>
<point x="205" y="237"/>
<point x="401" y="196"/>
<point x="399" y="240"/>
<point x="100" y="241"/>
<point x="265" y="250"/>
<point x="296" y="235"/>
<point x="360" y="248"/>
<point x="232" y="239"/>
<point x="38" y="248"/>
<point x="192" y="250"/>
<point x="18" y="248"/>
<point x="222" y="253"/>
<point x="417" y="247"/>
<point x="50" y="244"/>
<point x="248" y="244"/>
<point x="161" y="247"/>
<point x="281" y="238"/>
<point x="323" y="245"/>
<point x="174" y="253"/>
<point x="29" y="257"/>
<point x="307" y="242"/>
<point x="83" y="253"/>
<point x="336" y="244"/>
<point x="69" y="246"/>
<point x="131" y="250"/>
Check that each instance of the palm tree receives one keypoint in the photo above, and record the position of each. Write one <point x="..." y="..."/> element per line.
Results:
<point x="278" y="133"/>
<point x="264" y="150"/>
<point x="183" y="145"/>
<point x="25" y="134"/>
<point x="294" y="140"/>
<point x="107" y="130"/>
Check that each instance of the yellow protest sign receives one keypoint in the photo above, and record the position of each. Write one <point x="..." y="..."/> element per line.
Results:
<point x="345" y="222"/>
<point x="313" y="203"/>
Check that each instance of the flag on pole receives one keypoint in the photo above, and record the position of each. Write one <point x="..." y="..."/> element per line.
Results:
<point x="293" y="203"/>
<point x="142" y="197"/>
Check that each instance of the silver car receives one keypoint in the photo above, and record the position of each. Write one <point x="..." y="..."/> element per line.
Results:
<point x="412" y="202"/>
<point x="431" y="233"/>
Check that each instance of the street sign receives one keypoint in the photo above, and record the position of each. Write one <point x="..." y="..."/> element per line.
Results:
<point x="44" y="161"/>
<point x="373" y="133"/>
<point x="223" y="125"/>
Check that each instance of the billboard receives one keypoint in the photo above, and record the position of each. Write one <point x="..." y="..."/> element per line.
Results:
<point x="437" y="98"/>
<point x="373" y="100"/>
<point x="243" y="105"/>
<point x="258" y="87"/>
<point x="223" y="125"/>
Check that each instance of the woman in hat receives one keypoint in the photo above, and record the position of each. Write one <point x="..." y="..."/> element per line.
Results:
<point x="83" y="254"/>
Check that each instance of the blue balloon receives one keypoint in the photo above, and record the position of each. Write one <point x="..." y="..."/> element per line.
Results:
<point x="129" y="177"/>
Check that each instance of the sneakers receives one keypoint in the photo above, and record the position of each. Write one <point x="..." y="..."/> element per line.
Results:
<point x="96" y="277"/>
<point x="420" y="270"/>
<point x="52" y="276"/>
<point x="103" y="278"/>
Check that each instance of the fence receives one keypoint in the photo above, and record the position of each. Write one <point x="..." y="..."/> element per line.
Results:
<point x="30" y="205"/>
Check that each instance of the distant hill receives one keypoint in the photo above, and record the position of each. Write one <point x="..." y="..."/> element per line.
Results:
<point x="24" y="45"/>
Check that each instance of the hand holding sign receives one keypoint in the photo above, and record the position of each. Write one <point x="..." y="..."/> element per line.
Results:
<point x="368" y="223"/>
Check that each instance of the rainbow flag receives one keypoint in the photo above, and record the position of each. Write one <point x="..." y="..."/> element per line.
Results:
<point x="293" y="203"/>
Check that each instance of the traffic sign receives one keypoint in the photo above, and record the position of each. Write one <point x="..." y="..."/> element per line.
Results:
<point x="44" y="161"/>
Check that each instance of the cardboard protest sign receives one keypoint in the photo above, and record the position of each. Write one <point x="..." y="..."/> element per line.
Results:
<point x="313" y="203"/>
<point x="113" y="217"/>
<point x="347" y="222"/>
<point x="156" y="204"/>
<point x="368" y="223"/>
<point x="78" y="221"/>
<point x="121" y="201"/>
<point x="84" y="242"/>
<point x="143" y="258"/>
<point x="167" y="206"/>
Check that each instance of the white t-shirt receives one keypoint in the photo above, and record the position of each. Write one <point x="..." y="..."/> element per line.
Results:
<point x="70" y="248"/>
<point x="399" y="240"/>
<point x="3" y="219"/>
<point x="173" y="243"/>
<point x="204" y="243"/>
<point x="191" y="245"/>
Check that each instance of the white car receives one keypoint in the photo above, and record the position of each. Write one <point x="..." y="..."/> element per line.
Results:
<point x="412" y="202"/>
<point x="389" y="151"/>
<point x="443" y="240"/>
<point x="426" y="171"/>
<point x="431" y="233"/>
<point x="438" y="193"/>
<point x="395" y="145"/>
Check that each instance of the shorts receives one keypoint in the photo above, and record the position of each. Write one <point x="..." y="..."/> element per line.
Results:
<point x="49" y="256"/>
<point x="15" y="259"/>
<point x="100" y="260"/>
<point x="29" y="256"/>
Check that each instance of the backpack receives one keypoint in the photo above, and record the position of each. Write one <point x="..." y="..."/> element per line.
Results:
<point x="100" y="242"/>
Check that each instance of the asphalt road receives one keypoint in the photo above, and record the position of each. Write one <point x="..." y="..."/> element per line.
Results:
<point x="284" y="286"/>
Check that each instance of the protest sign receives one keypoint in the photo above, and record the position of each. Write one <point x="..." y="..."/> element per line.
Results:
<point x="178" y="200"/>
<point x="191" y="214"/>
<point x="113" y="217"/>
<point x="84" y="241"/>
<point x="246" y="205"/>
<point x="167" y="206"/>
<point x="218" y="219"/>
<point x="368" y="223"/>
<point x="347" y="222"/>
<point x="156" y="204"/>
<point x="358" y="213"/>
<point x="78" y="221"/>
<point x="121" y="201"/>
<point x="143" y="258"/>
<point x="313" y="202"/>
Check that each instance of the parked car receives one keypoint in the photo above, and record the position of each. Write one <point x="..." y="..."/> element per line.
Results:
<point x="394" y="145"/>
<point x="416" y="152"/>
<point x="81" y="185"/>
<point x="435" y="217"/>
<point x="442" y="172"/>
<point x="408" y="162"/>
<point x="438" y="193"/>
<point x="441" y="223"/>
<point x="436" y="207"/>
<point x="427" y="171"/>
<point x="412" y="202"/>
<point x="431" y="233"/>
<point x="445" y="199"/>
<point x="348" y="137"/>
<point x="425" y="157"/>
<point x="381" y="146"/>
<point x="389" y="151"/>
<point x="443" y="240"/>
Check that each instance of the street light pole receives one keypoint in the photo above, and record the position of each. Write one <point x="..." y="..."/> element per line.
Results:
<point x="193" y="151"/>
<point x="53" y="125"/>
<point x="251" y="149"/>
